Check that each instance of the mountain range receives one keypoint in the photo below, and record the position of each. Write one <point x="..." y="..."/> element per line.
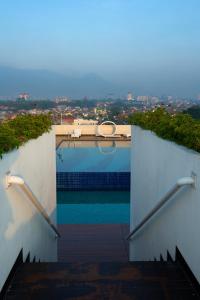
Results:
<point x="44" y="83"/>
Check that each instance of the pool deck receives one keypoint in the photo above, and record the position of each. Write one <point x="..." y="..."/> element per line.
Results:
<point x="60" y="138"/>
<point x="93" y="243"/>
<point x="117" y="137"/>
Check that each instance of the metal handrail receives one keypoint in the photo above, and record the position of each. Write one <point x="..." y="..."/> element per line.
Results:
<point x="26" y="189"/>
<point x="179" y="184"/>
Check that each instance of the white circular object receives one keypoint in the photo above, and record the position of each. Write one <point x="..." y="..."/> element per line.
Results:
<point x="105" y="123"/>
<point x="104" y="151"/>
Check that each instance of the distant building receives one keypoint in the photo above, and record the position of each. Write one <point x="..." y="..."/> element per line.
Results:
<point x="61" y="99"/>
<point x="68" y="120"/>
<point x="143" y="98"/>
<point x="169" y="98"/>
<point x="85" y="122"/>
<point x="129" y="96"/>
<point x="23" y="96"/>
<point x="155" y="100"/>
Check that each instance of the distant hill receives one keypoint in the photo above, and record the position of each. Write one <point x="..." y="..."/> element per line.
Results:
<point x="43" y="83"/>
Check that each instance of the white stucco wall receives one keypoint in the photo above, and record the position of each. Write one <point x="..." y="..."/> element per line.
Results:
<point x="92" y="129"/>
<point x="156" y="166"/>
<point x="21" y="227"/>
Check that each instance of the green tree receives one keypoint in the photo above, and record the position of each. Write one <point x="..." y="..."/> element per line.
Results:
<point x="180" y="128"/>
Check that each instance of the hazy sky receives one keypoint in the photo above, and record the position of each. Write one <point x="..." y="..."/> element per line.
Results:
<point x="147" y="45"/>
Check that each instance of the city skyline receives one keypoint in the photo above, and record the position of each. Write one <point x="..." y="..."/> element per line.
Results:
<point x="117" y="46"/>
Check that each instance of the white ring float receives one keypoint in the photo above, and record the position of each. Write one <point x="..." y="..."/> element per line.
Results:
<point x="105" y="123"/>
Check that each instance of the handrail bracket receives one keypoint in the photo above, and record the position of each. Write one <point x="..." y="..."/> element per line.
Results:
<point x="10" y="180"/>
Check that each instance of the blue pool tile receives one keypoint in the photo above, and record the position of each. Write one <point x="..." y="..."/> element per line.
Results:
<point x="91" y="181"/>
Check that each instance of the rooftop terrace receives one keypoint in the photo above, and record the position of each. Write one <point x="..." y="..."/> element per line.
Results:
<point x="160" y="258"/>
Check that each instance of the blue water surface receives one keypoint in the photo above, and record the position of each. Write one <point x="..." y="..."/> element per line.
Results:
<point x="107" y="159"/>
<point x="93" y="213"/>
<point x="93" y="206"/>
<point x="97" y="207"/>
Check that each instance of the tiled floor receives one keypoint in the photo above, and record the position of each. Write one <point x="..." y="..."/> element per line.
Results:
<point x="93" y="243"/>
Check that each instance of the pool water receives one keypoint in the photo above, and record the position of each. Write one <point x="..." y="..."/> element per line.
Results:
<point x="82" y="161"/>
<point x="93" y="159"/>
<point x="94" y="207"/>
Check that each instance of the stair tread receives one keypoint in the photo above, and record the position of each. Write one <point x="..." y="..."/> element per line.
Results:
<point x="92" y="243"/>
<point x="109" y="280"/>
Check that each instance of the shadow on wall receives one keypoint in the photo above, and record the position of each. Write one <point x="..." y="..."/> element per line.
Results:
<point x="21" y="226"/>
<point x="6" y="212"/>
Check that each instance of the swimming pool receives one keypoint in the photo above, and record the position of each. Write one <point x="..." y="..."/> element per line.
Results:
<point x="93" y="157"/>
<point x="93" y="182"/>
<point x="97" y="207"/>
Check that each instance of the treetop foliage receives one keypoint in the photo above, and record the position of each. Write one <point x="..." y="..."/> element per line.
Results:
<point x="16" y="132"/>
<point x="180" y="128"/>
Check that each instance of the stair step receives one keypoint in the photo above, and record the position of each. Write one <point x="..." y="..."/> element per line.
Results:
<point x="110" y="280"/>
<point x="93" y="243"/>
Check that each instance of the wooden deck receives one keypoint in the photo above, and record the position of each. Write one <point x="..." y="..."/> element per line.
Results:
<point x="101" y="281"/>
<point x="93" y="265"/>
<point x="93" y="243"/>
